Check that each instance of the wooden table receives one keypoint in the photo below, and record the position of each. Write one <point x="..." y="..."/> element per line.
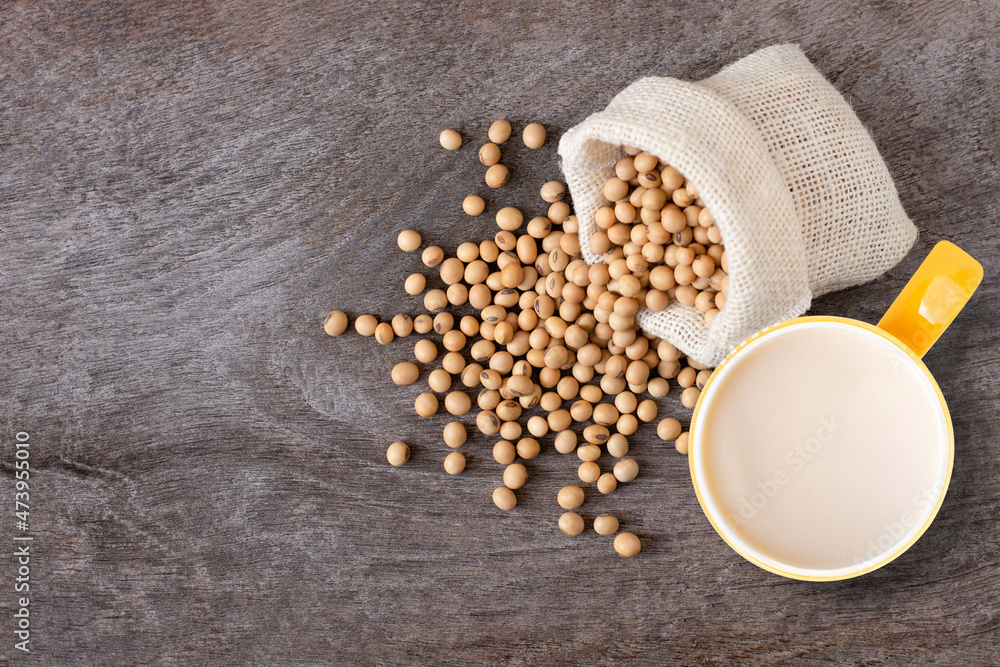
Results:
<point x="187" y="188"/>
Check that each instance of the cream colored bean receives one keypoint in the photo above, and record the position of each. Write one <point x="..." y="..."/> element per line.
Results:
<point x="617" y="445"/>
<point x="450" y="140"/>
<point x="335" y="323"/>
<point x="689" y="397"/>
<point x="423" y="324"/>
<point x="627" y="425"/>
<point x="626" y="470"/>
<point x="565" y="442"/>
<point x="570" y="497"/>
<point x="384" y="333"/>
<point x="473" y="205"/>
<point x="432" y="256"/>
<point x="397" y="454"/>
<point x="489" y="154"/>
<point x="510" y="431"/>
<point x="528" y="448"/>
<point x="454" y="463"/>
<point x="439" y="380"/>
<point x="682" y="443"/>
<point x="607" y="483"/>
<point x="514" y="476"/>
<point x="589" y="472"/>
<point x="457" y="403"/>
<point x="487" y="422"/>
<point x="426" y="404"/>
<point x="533" y="135"/>
<point x="405" y="373"/>
<point x="504" y="498"/>
<point x="553" y="191"/>
<point x="366" y="325"/>
<point x="627" y="545"/>
<point x="571" y="523"/>
<point x="605" y="524"/>
<point x="408" y="240"/>
<point x="537" y="426"/>
<point x="415" y="284"/>
<point x="497" y="176"/>
<point x="454" y="363"/>
<point x="402" y="325"/>
<point x="499" y="131"/>
<point x="668" y="429"/>
<point x="647" y="410"/>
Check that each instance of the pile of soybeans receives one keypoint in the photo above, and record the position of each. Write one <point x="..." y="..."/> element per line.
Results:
<point x="554" y="348"/>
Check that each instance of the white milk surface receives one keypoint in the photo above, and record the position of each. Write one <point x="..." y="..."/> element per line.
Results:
<point x="823" y="446"/>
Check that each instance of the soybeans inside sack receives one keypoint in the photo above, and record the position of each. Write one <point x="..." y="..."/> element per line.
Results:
<point x="798" y="193"/>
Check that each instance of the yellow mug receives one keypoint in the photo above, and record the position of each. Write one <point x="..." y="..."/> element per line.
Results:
<point x="822" y="448"/>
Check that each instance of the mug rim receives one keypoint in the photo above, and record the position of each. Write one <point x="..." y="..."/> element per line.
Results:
<point x="888" y="556"/>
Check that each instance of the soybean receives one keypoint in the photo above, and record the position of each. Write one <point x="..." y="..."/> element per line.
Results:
<point x="423" y="323"/>
<point x="605" y="524"/>
<point x="499" y="131"/>
<point x="533" y="135"/>
<point x="454" y="363"/>
<point x="450" y="140"/>
<point x="668" y="429"/>
<point x="408" y="240"/>
<point x="565" y="442"/>
<point x="571" y="523"/>
<point x="682" y="444"/>
<point x="553" y="191"/>
<point x="570" y="497"/>
<point x="402" y="325"/>
<point x="504" y="452"/>
<point x="366" y="325"/>
<point x="514" y="476"/>
<point x="415" y="284"/>
<point x="489" y="154"/>
<point x="335" y="323"/>
<point x="426" y="404"/>
<point x="607" y="483"/>
<point x="454" y="435"/>
<point x="487" y="422"/>
<point x="497" y="176"/>
<point x="397" y="454"/>
<point x="384" y="333"/>
<point x="510" y="431"/>
<point x="626" y="470"/>
<point x="473" y="205"/>
<point x="509" y="218"/>
<point x="432" y="256"/>
<point x="646" y="410"/>
<point x="405" y="373"/>
<point x="504" y="498"/>
<point x="627" y="545"/>
<point x="589" y="472"/>
<point x="617" y="445"/>
<point x="439" y="380"/>
<point x="528" y="448"/>
<point x="454" y="463"/>
<point x="689" y="397"/>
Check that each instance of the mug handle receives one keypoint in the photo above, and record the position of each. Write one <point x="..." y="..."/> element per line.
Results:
<point x="932" y="298"/>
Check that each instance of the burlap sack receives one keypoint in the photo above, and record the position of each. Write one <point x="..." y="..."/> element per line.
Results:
<point x="803" y="201"/>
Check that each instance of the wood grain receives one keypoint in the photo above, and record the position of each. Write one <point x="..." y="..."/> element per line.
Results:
<point x="188" y="187"/>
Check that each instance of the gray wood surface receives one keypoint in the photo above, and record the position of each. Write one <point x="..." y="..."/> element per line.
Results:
<point x="186" y="188"/>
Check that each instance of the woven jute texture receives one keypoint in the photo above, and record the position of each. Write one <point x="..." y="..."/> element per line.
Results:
<point x="801" y="196"/>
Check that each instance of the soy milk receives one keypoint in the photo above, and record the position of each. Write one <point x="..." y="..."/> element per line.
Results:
<point x="822" y="446"/>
